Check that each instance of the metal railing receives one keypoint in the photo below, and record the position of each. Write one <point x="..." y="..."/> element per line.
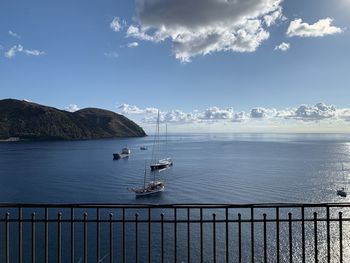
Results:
<point x="175" y="233"/>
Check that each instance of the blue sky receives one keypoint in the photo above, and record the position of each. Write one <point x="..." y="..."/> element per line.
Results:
<point x="66" y="53"/>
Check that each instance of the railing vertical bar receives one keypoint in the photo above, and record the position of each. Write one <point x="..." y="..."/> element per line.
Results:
<point x="59" y="239"/>
<point x="252" y="232"/>
<point x="97" y="235"/>
<point x="46" y="242"/>
<point x="277" y="234"/>
<point x="265" y="239"/>
<point x="303" y="234"/>
<point x="328" y="237"/>
<point x="240" y="238"/>
<point x="33" y="238"/>
<point x="162" y="237"/>
<point x="214" y="238"/>
<point x="7" y="238"/>
<point x="227" y="239"/>
<point x="110" y="238"/>
<point x="85" y="239"/>
<point x="290" y="238"/>
<point x="188" y="236"/>
<point x="20" y="235"/>
<point x="175" y="235"/>
<point x="201" y="232"/>
<point x="71" y="235"/>
<point x="341" y="237"/>
<point x="136" y="238"/>
<point x="149" y="235"/>
<point x="123" y="237"/>
<point x="316" y="239"/>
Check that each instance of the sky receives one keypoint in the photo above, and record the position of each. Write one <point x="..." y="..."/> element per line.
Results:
<point x="206" y="65"/>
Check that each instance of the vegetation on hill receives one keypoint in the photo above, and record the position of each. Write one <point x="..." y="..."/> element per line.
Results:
<point x="27" y="120"/>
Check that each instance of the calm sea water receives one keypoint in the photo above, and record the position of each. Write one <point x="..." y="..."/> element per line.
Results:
<point x="208" y="168"/>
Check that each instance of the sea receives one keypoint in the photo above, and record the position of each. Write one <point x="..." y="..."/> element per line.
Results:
<point x="208" y="168"/>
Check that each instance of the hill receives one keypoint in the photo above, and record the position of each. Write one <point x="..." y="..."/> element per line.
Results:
<point x="27" y="120"/>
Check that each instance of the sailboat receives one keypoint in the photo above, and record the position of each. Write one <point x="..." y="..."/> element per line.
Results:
<point x="342" y="191"/>
<point x="157" y="163"/>
<point x="153" y="187"/>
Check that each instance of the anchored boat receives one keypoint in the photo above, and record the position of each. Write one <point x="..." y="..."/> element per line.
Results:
<point x="153" y="187"/>
<point x="157" y="163"/>
<point x="123" y="154"/>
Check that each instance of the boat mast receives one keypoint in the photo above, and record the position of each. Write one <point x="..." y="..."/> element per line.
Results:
<point x="166" y="140"/>
<point x="158" y="138"/>
<point x="144" y="178"/>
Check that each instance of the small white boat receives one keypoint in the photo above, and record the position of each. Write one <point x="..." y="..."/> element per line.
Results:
<point x="161" y="164"/>
<point x="123" y="154"/>
<point x="342" y="191"/>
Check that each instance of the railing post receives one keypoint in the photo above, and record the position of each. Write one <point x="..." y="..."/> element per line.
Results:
<point x="110" y="238"/>
<point x="123" y="236"/>
<point x="72" y="236"/>
<point x="85" y="239"/>
<point x="33" y="237"/>
<point x="214" y="238"/>
<point x="240" y="238"/>
<point x="328" y="237"/>
<point x="175" y="235"/>
<point x="162" y="237"/>
<point x="290" y="238"/>
<point x="265" y="239"/>
<point x="201" y="232"/>
<point x="46" y="235"/>
<point x="188" y="237"/>
<point x="227" y="239"/>
<point x="59" y="244"/>
<point x="98" y="235"/>
<point x="149" y="235"/>
<point x="7" y="238"/>
<point x="20" y="233"/>
<point x="315" y="236"/>
<point x="252" y="232"/>
<point x="278" y="234"/>
<point x="303" y="234"/>
<point x="136" y="238"/>
<point x="341" y="237"/>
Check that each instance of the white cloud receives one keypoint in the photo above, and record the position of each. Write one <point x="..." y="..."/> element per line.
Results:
<point x="112" y="54"/>
<point x="14" y="34"/>
<point x="321" y="28"/>
<point x="132" y="109"/>
<point x="12" y="52"/>
<point x="116" y="25"/>
<point x="132" y="44"/>
<point x="317" y="112"/>
<point x="72" y="108"/>
<point x="283" y="46"/>
<point x="203" y="27"/>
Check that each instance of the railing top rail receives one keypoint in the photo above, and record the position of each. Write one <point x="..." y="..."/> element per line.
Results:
<point x="166" y="205"/>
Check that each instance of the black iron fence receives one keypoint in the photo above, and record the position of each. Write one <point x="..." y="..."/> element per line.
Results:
<point x="175" y="233"/>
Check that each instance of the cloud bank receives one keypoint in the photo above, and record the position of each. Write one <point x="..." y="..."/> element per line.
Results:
<point x="303" y="113"/>
<point x="201" y="27"/>
<point x="321" y="28"/>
